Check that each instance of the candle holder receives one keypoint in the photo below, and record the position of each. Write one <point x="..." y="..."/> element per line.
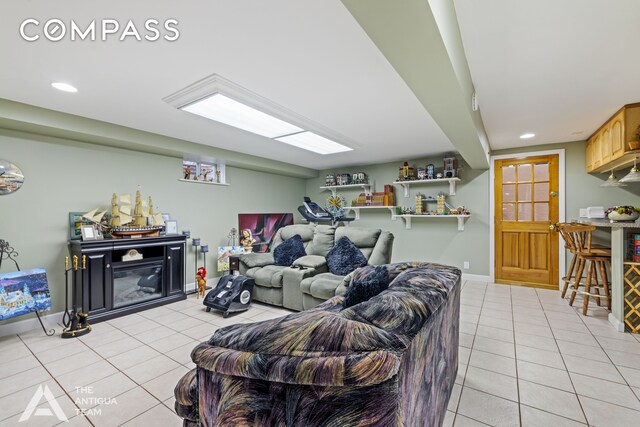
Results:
<point x="204" y="249"/>
<point x="195" y="242"/>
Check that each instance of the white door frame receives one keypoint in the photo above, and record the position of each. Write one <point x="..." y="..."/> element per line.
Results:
<point x="561" y="207"/>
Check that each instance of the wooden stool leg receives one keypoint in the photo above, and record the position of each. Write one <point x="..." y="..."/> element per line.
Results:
<point x="567" y="278"/>
<point x="587" y="288"/>
<point x="596" y="283"/>
<point x="576" y="281"/>
<point x="605" y="279"/>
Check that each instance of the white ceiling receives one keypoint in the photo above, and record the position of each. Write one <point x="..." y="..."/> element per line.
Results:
<point x="558" y="69"/>
<point x="308" y="56"/>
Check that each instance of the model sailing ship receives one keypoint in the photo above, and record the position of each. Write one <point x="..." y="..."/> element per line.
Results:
<point x="142" y="222"/>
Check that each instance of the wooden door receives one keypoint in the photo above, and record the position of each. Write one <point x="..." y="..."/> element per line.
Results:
<point x="526" y="205"/>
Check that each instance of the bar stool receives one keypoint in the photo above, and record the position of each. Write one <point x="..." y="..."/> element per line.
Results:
<point x="595" y="259"/>
<point x="571" y="246"/>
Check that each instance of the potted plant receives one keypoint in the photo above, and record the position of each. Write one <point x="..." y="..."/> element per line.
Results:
<point x="635" y="144"/>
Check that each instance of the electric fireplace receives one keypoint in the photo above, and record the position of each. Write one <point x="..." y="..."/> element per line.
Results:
<point x="123" y="276"/>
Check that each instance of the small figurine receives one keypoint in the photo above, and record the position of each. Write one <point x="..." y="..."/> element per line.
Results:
<point x="450" y="170"/>
<point x="419" y="203"/>
<point x="431" y="169"/>
<point x="406" y="172"/>
<point x="422" y="173"/>
<point x="218" y="177"/>
<point x="247" y="240"/>
<point x="187" y="172"/>
<point x="439" y="175"/>
<point x="201" y="281"/>
<point x="440" y="204"/>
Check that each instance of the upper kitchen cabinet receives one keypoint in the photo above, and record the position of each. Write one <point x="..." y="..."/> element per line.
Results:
<point x="608" y="147"/>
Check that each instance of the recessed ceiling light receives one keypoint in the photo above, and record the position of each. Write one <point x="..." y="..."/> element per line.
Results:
<point x="225" y="110"/>
<point x="65" y="87"/>
<point x="527" y="135"/>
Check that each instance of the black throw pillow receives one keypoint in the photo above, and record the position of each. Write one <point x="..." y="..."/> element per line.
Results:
<point x="362" y="288"/>
<point x="289" y="250"/>
<point x="345" y="257"/>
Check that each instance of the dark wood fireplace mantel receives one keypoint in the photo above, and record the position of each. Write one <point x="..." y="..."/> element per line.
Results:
<point x="111" y="286"/>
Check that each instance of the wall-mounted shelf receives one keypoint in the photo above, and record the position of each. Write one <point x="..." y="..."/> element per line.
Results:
<point x="357" y="209"/>
<point x="407" y="219"/>
<point x="407" y="184"/>
<point x="203" y="182"/>
<point x="334" y="188"/>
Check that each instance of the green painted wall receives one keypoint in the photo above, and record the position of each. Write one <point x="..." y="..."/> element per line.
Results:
<point x="63" y="176"/>
<point x="435" y="239"/>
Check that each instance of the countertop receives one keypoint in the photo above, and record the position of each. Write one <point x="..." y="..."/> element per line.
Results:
<point x="607" y="223"/>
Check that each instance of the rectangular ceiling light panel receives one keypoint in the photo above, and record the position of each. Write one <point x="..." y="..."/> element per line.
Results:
<point x="313" y="142"/>
<point x="233" y="113"/>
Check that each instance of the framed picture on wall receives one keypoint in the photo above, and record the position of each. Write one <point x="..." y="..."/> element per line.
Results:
<point x="261" y="227"/>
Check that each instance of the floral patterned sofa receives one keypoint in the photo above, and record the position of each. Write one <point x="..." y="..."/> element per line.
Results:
<point x="388" y="361"/>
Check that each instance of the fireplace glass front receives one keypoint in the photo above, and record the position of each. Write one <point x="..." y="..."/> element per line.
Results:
<point x="132" y="285"/>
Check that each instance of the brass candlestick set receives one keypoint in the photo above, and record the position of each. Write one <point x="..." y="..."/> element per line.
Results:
<point x="75" y="322"/>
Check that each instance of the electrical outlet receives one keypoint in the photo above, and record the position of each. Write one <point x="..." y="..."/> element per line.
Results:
<point x="466" y="265"/>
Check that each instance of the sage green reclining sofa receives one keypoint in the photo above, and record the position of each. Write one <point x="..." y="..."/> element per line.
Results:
<point x="302" y="289"/>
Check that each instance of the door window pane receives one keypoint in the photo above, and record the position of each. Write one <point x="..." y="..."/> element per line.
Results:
<point x="508" y="174"/>
<point x="541" y="192"/>
<point x="524" y="173"/>
<point x="524" y="211"/>
<point x="509" y="193"/>
<point x="508" y="211"/>
<point x="541" y="172"/>
<point x="524" y="192"/>
<point x="541" y="211"/>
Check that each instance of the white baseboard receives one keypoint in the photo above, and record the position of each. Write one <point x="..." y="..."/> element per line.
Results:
<point x="476" y="277"/>
<point x="616" y="323"/>
<point x="26" y="325"/>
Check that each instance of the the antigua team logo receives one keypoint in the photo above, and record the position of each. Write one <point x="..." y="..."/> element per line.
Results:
<point x="54" y="407"/>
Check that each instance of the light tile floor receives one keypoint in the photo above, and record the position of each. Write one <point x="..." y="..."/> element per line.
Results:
<point x="131" y="365"/>
<point x="526" y="359"/>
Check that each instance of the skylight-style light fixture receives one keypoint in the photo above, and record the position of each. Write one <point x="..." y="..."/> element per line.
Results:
<point x="612" y="181"/>
<point x="221" y="100"/>
<point x="527" y="135"/>
<point x="312" y="142"/>
<point x="633" y="175"/>
<point x="65" y="87"/>
<point x="233" y="113"/>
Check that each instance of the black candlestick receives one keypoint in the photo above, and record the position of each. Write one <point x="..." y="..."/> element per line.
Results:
<point x="195" y="242"/>
<point x="204" y="249"/>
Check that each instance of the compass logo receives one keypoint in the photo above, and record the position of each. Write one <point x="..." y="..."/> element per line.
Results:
<point x="43" y="412"/>
<point x="55" y="30"/>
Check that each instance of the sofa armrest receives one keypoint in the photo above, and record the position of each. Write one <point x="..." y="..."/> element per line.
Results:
<point x="316" y="262"/>
<point x="186" y="394"/>
<point x="256" y="260"/>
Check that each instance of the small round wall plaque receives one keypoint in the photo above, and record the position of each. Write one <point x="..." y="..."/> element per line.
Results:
<point x="11" y="177"/>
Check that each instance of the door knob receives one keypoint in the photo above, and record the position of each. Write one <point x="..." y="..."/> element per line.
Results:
<point x="554" y="194"/>
<point x="553" y="227"/>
